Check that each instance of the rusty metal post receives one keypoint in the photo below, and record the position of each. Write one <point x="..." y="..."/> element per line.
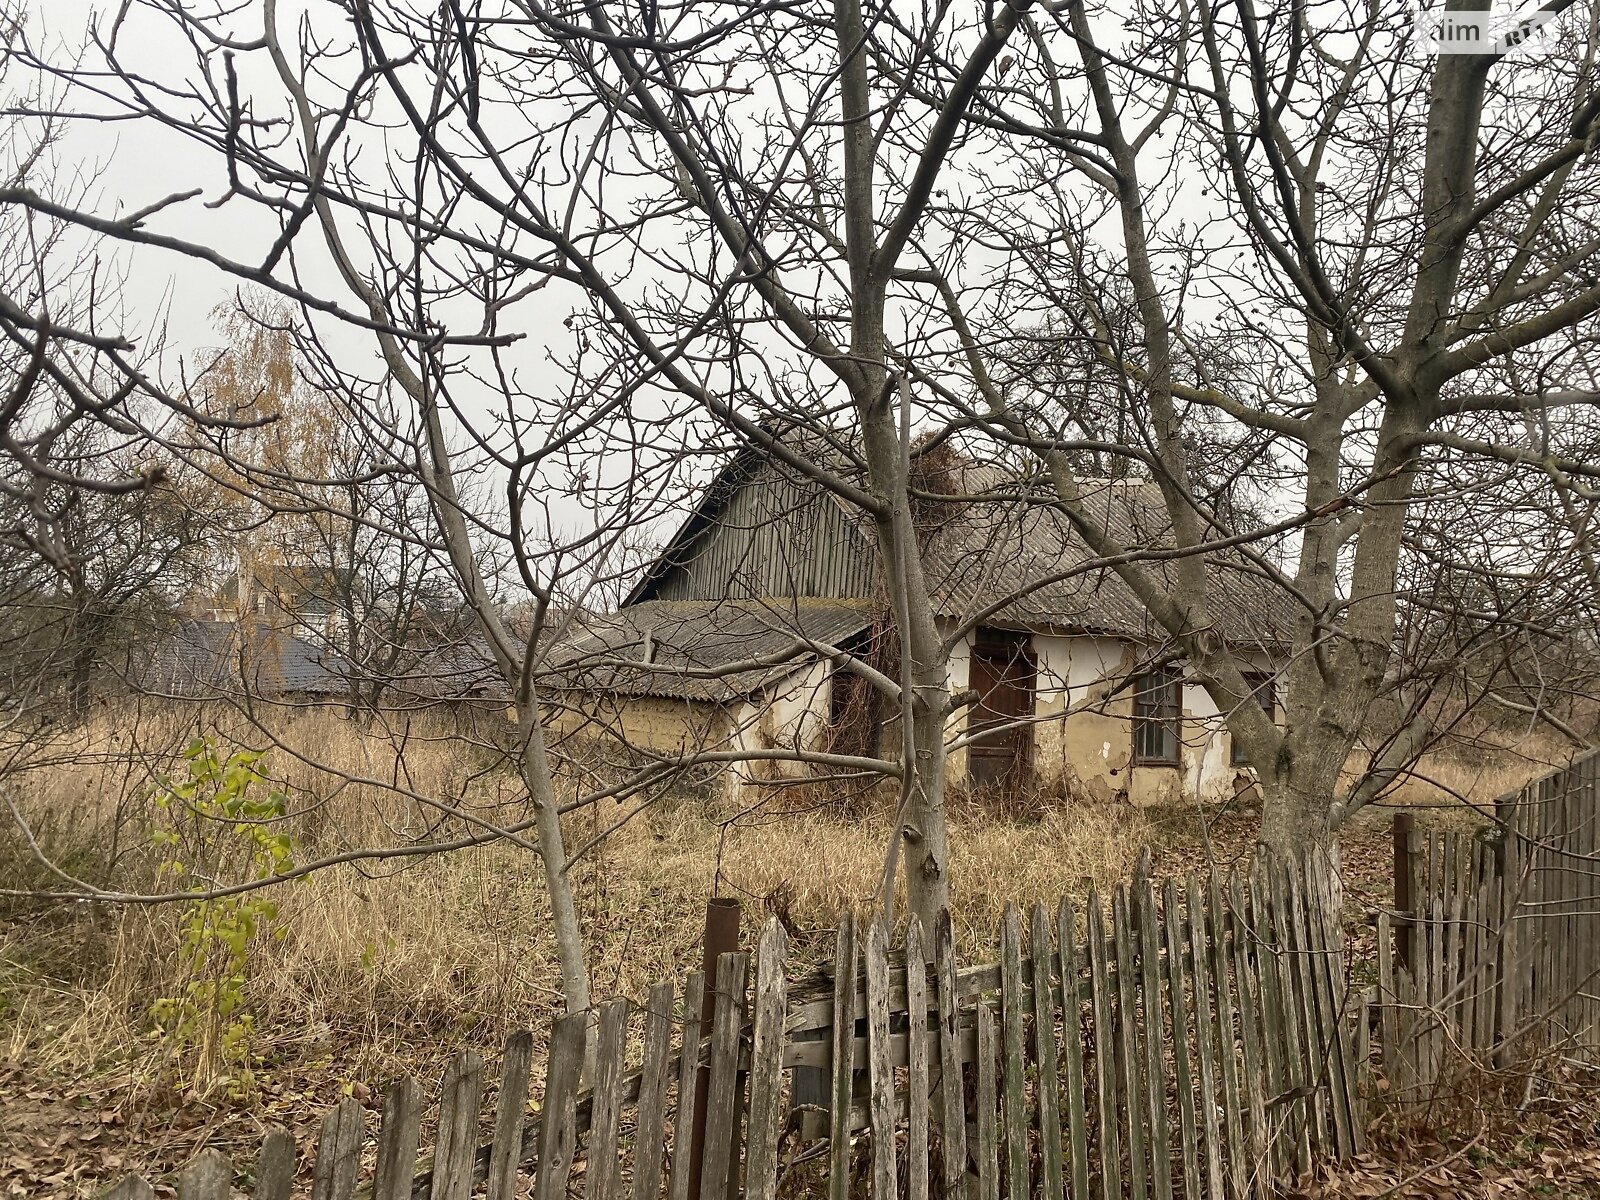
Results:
<point x="721" y="937"/>
<point x="1404" y="823"/>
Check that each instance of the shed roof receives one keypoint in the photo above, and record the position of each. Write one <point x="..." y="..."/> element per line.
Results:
<point x="688" y="649"/>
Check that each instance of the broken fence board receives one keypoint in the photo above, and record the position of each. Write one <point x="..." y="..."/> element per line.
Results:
<point x="399" y="1133"/>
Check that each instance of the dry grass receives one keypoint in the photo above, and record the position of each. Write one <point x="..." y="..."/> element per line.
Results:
<point x="391" y="967"/>
<point x="380" y="961"/>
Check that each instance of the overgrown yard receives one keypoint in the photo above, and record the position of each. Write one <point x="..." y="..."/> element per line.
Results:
<point x="113" y="1054"/>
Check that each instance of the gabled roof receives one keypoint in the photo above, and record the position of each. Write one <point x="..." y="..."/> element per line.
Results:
<point x="1005" y="534"/>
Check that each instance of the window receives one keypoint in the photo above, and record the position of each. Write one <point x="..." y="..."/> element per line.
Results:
<point x="1157" y="716"/>
<point x="1266" y="694"/>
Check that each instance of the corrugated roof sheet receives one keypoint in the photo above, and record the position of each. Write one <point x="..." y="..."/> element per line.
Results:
<point x="984" y="551"/>
<point x="660" y="647"/>
<point x="200" y="659"/>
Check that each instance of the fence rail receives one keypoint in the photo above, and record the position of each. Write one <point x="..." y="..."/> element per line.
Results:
<point x="1188" y="1040"/>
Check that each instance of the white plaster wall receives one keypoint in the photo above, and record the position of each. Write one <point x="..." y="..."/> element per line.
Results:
<point x="791" y="712"/>
<point x="1207" y="742"/>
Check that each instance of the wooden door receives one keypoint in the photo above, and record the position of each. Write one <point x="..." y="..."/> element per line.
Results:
<point x="1002" y="672"/>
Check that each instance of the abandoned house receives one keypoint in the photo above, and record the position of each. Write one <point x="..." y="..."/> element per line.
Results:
<point x="729" y="642"/>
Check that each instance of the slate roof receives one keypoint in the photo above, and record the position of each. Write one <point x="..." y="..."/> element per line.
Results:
<point x="989" y="549"/>
<point x="449" y="668"/>
<point x="200" y="659"/>
<point x="1005" y="533"/>
<point x="665" y="642"/>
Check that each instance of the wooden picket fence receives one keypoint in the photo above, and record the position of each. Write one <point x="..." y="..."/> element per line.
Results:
<point x="1195" y="1039"/>
<point x="1498" y="959"/>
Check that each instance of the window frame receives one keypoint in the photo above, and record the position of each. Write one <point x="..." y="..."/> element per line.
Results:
<point x="1167" y="715"/>
<point x="1260" y="682"/>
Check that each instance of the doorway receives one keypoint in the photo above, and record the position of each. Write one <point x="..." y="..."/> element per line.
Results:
<point x="1003" y="673"/>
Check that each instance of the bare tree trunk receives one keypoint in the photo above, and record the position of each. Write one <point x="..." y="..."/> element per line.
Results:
<point x="535" y="766"/>
<point x="457" y="538"/>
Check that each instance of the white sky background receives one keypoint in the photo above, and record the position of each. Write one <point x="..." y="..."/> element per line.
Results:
<point x="115" y="167"/>
<point x="139" y="162"/>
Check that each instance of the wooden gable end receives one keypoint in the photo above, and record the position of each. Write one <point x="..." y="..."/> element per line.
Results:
<point x="770" y="535"/>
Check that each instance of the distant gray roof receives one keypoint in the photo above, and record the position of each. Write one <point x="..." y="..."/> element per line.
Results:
<point x="199" y="659"/>
<point x="448" y="668"/>
<point x="608" y="652"/>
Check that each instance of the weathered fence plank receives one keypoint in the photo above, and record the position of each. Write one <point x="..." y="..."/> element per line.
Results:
<point x="987" y="1102"/>
<point x="1014" y="1070"/>
<point x="516" y="1063"/>
<point x="1147" y="936"/>
<point x="766" y="1065"/>
<point x="398" y="1137"/>
<point x="693" y="1033"/>
<point x="1045" y="991"/>
<point x="208" y="1177"/>
<point x="1250" y="1004"/>
<point x="558" y="1130"/>
<point x="916" y="1063"/>
<point x="1072" y="1047"/>
<point x="601" y="1173"/>
<point x="1131" y="1076"/>
<point x="724" y="1086"/>
<point x="275" y="1166"/>
<point x="1205" y="1040"/>
<point x="844" y="1044"/>
<point x="1232" y="1102"/>
<point x="879" y="1069"/>
<point x="1105" y="1065"/>
<point x="130" y="1187"/>
<point x="338" y="1150"/>
<point x="951" y="1093"/>
<point x="654" y="1075"/>
<point x="460" y="1094"/>
<point x="1174" y="935"/>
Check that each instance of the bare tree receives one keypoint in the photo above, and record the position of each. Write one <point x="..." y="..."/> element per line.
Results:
<point x="1282" y="267"/>
<point x="1387" y="271"/>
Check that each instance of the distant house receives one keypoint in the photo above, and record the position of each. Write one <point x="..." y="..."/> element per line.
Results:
<point x="724" y="643"/>
<point x="294" y="632"/>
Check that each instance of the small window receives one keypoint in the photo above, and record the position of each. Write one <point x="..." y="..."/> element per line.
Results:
<point x="1263" y="688"/>
<point x="1157" y="717"/>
